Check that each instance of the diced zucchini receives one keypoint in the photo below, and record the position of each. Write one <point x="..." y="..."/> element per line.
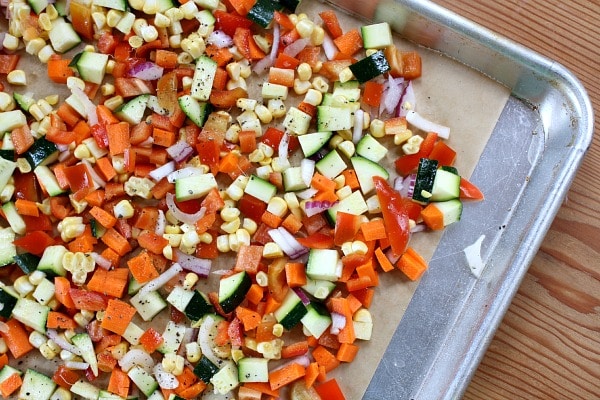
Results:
<point x="10" y="120"/>
<point x="41" y="152"/>
<point x="370" y="67"/>
<point x="446" y="186"/>
<point x="226" y="379"/>
<point x="120" y="5"/>
<point x="8" y="251"/>
<point x="36" y="386"/>
<point x="194" y="187"/>
<point x="172" y="337"/>
<point x="319" y="289"/>
<point x="349" y="90"/>
<point x="331" y="165"/>
<point x="205" y="369"/>
<point x="48" y="180"/>
<point x="260" y="188"/>
<point x="204" y="75"/>
<point x="313" y="142"/>
<point x="180" y="298"/>
<point x="133" y="110"/>
<point x="195" y="110"/>
<point x="38" y="5"/>
<point x="143" y="380"/>
<point x="149" y="304"/>
<point x="90" y="65"/>
<point x="7" y="168"/>
<point x="296" y="122"/>
<point x="324" y="264"/>
<point x="31" y="313"/>
<point x="370" y="148"/>
<point x="317" y="319"/>
<point x="23" y="101"/>
<point x="85" y="390"/>
<point x="291" y="310"/>
<point x="365" y="171"/>
<point x="16" y="222"/>
<point x="51" y="261"/>
<point x="354" y="204"/>
<point x="44" y="291"/>
<point x="26" y="261"/>
<point x="424" y="181"/>
<point x="84" y="343"/>
<point x="263" y="12"/>
<point x="334" y="118"/>
<point x="292" y="179"/>
<point x="198" y="306"/>
<point x="62" y="35"/>
<point x="377" y="36"/>
<point x="253" y="369"/>
<point x="8" y="300"/>
<point x="232" y="290"/>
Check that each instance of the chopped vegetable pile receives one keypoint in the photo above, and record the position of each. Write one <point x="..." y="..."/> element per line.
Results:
<point x="230" y="140"/>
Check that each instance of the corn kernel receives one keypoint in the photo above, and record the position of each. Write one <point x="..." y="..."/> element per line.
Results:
<point x="99" y="19"/>
<point x="206" y="238"/>
<point x="313" y="97"/>
<point x="277" y="108"/>
<point x="272" y="250"/>
<point x="6" y="101"/>
<point x="17" y="77"/>
<point x="113" y="17"/>
<point x="277" y="206"/>
<point x="377" y="128"/>
<point x="243" y="237"/>
<point x="114" y="102"/>
<point x="189" y="10"/>
<point x="343" y="192"/>
<point x="249" y="225"/>
<point x="231" y="226"/>
<point x="161" y="21"/>
<point x="262" y="279"/>
<point x="320" y="84"/>
<point x="223" y="243"/>
<point x="234" y="243"/>
<point x="301" y="87"/>
<point x="402" y="137"/>
<point x="136" y="41"/>
<point x="347" y="148"/>
<point x="318" y="36"/>
<point x="359" y="247"/>
<point x="230" y="214"/>
<point x="340" y="181"/>
<point x="304" y="72"/>
<point x="246" y="104"/>
<point x="193" y="352"/>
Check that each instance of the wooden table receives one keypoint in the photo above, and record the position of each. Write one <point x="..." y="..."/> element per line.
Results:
<point x="548" y="345"/>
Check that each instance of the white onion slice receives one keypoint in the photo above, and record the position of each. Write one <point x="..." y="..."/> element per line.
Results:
<point x="184" y="173"/>
<point x="219" y="39"/>
<point x="160" y="280"/>
<point x="62" y="342"/>
<point x="88" y="105"/>
<point x="162" y="171"/>
<point x="3" y="325"/>
<point x="359" y="117"/>
<point x="288" y="243"/>
<point x="137" y="357"/>
<point x="262" y="65"/>
<point x="102" y="262"/>
<point x="161" y="223"/>
<point x="165" y="380"/>
<point x="418" y="121"/>
<point x="77" y="365"/>
<point x="296" y="47"/>
<point x="205" y="339"/>
<point x="307" y="193"/>
<point x="186" y="218"/>
<point x="338" y="322"/>
<point x="282" y="150"/>
<point x="408" y="101"/>
<point x="329" y="47"/>
<point x="200" y="266"/>
<point x="392" y="95"/>
<point x="307" y="170"/>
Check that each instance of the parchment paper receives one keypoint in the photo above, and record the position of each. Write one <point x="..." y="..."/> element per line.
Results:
<point x="448" y="93"/>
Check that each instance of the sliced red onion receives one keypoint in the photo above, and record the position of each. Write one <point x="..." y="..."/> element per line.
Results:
<point x="329" y="48"/>
<point x="95" y="176"/>
<point x="359" y="117"/>
<point x="408" y="101"/>
<point x="64" y="152"/>
<point x="180" y="151"/>
<point x="100" y="261"/>
<point x="162" y="171"/>
<point x="184" y="173"/>
<point x="288" y="243"/>
<point x="160" y="280"/>
<point x="303" y="296"/>
<point x="161" y="223"/>
<point x="296" y="47"/>
<point x="392" y="95"/>
<point x="62" y="342"/>
<point x="307" y="170"/>
<point x="199" y="266"/>
<point x="338" y="322"/>
<point x="77" y="365"/>
<point x="409" y="185"/>
<point x="88" y="105"/>
<point x="418" y="121"/>
<point x="186" y="218"/>
<point x="317" y="206"/>
<point x="137" y="357"/>
<point x="205" y="339"/>
<point x="283" y="147"/>
<point x="146" y="70"/>
<point x="220" y="39"/>
<point x="306" y="193"/>
<point x="165" y="380"/>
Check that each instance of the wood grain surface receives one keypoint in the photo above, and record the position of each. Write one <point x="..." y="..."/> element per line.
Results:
<point x="548" y="345"/>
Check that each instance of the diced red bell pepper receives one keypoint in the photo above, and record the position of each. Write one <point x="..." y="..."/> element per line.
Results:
<point x="394" y="213"/>
<point x="228" y="22"/>
<point x="35" y="242"/>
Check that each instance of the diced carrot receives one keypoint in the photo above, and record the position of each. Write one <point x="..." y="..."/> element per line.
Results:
<point x="221" y="78"/>
<point x="68" y="114"/>
<point x="354" y="303"/>
<point x="245" y="393"/>
<point x="152" y="242"/>
<point x="140" y="133"/>
<point x="322" y="183"/>
<point x="248" y="258"/>
<point x="119" y="382"/>
<point x="282" y="76"/>
<point x="330" y="390"/>
<point x="292" y="223"/>
<point x="347" y="352"/>
<point x="113" y="190"/>
<point x="117" y="316"/>
<point x="341" y="306"/>
<point x="146" y="219"/>
<point x="373" y="230"/>
<point x="163" y="137"/>
<point x="103" y="217"/>
<point x="142" y="268"/>
<point x="27" y="207"/>
<point x="384" y="262"/>
<point x="250" y="319"/>
<point x="118" y="137"/>
<point x="294" y="349"/>
<point x="62" y="286"/>
<point x="59" y="320"/>
<point x="109" y="282"/>
<point x="271" y="220"/>
<point x="349" y="43"/>
<point x="242" y="6"/>
<point x="286" y="374"/>
<point x="16" y="338"/>
<point x="166" y="58"/>
<point x="59" y="70"/>
<point x="111" y="256"/>
<point x="372" y="93"/>
<point x="358" y="283"/>
<point x="325" y="358"/>
<point x="433" y="217"/>
<point x="116" y="241"/>
<point x="295" y="274"/>
<point x="312" y="372"/>
<point x="255" y="294"/>
<point x="285" y="61"/>
<point x="262" y="387"/>
<point x="10" y="385"/>
<point x="228" y="163"/>
<point x="106" y="168"/>
<point x="412" y="264"/>
<point x="162" y="187"/>
<point x="351" y="179"/>
<point x="3" y="360"/>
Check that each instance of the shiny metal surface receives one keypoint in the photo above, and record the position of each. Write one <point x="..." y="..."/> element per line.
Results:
<point x="526" y="169"/>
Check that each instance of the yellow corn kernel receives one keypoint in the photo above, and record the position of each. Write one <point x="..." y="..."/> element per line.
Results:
<point x="318" y="36"/>
<point x="161" y="20"/>
<point x="138" y="24"/>
<point x="272" y="250"/>
<point x="262" y="279"/>
<point x="402" y="137"/>
<point x="99" y="19"/>
<point x="189" y="10"/>
<point x="229" y="214"/>
<point x="347" y="148"/>
<point x="190" y="280"/>
<point x="277" y="206"/>
<point x="231" y="227"/>
<point x="249" y="225"/>
<point x="377" y="128"/>
<point x="107" y="89"/>
<point x="149" y="33"/>
<point x="343" y="192"/>
<point x="113" y="17"/>
<point x="277" y="108"/>
<point x="234" y="243"/>
<point x="10" y="42"/>
<point x="234" y="192"/>
<point x="193" y="352"/>
<point x="136" y="41"/>
<point x="223" y="243"/>
<point x="114" y="102"/>
<point x="301" y="87"/>
<point x="304" y="72"/>
<point x="17" y="77"/>
<point x="320" y="84"/>
<point x="45" y="22"/>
